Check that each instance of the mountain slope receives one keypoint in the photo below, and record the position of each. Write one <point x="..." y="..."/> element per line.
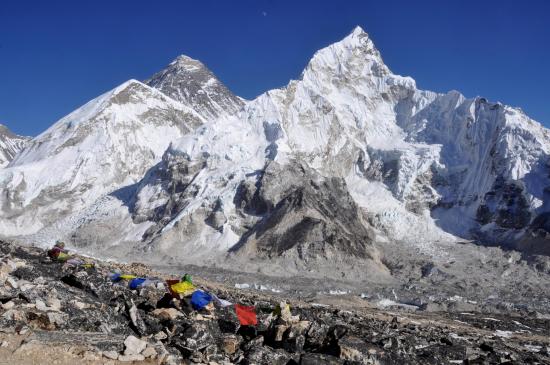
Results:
<point x="10" y="145"/>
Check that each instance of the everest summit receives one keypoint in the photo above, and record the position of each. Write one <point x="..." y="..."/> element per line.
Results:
<point x="323" y="171"/>
<point x="189" y="81"/>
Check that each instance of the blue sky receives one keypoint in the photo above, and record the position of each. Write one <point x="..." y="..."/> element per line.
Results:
<point x="57" y="55"/>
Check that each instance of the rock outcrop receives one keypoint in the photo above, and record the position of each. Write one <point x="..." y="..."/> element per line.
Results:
<point x="303" y="214"/>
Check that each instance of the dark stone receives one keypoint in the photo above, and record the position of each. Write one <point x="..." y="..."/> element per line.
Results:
<point x="75" y="282"/>
<point x="198" y="336"/>
<point x="230" y="344"/>
<point x="146" y="307"/>
<point x="136" y="321"/>
<point x="248" y="332"/>
<point x="227" y="320"/>
<point x="7" y="297"/>
<point x="152" y="325"/>
<point x="267" y="355"/>
<point x="295" y="344"/>
<point x="25" y="273"/>
<point x="351" y="348"/>
<point x="320" y="359"/>
<point x="486" y="347"/>
<point x="337" y="332"/>
<point x="316" y="335"/>
<point x="256" y="342"/>
<point x="165" y="301"/>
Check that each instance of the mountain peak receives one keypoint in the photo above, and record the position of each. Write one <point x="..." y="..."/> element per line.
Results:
<point x="185" y="58"/>
<point x="357" y="31"/>
<point x="187" y="63"/>
<point x="189" y="81"/>
<point x="353" y="54"/>
<point x="6" y="132"/>
<point x="358" y="38"/>
<point x="125" y="85"/>
<point x="4" y="129"/>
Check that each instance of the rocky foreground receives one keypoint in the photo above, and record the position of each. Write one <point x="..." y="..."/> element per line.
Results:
<point x="51" y="313"/>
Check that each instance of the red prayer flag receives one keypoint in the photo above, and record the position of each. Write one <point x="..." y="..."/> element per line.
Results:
<point x="246" y="315"/>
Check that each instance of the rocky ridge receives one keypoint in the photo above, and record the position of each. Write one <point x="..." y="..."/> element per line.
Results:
<point x="54" y="312"/>
<point x="10" y="145"/>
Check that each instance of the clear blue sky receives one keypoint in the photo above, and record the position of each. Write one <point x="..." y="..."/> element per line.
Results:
<point x="56" y="55"/>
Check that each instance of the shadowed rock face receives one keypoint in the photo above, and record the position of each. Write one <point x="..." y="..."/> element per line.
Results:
<point x="537" y="239"/>
<point x="174" y="176"/>
<point x="303" y="212"/>
<point x="191" y="82"/>
<point x="10" y="144"/>
<point x="505" y="205"/>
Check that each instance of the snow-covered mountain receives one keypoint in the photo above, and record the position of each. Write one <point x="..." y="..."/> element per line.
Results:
<point x="441" y="163"/>
<point x="318" y="171"/>
<point x="10" y="145"/>
<point x="108" y="143"/>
